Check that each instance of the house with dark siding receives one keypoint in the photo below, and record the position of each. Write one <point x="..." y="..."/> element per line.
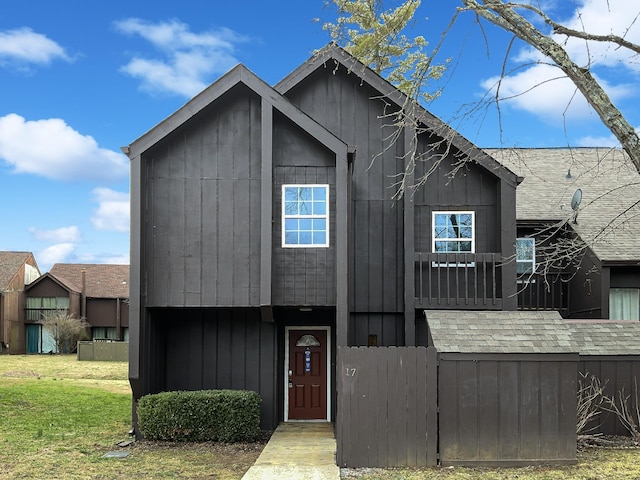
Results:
<point x="97" y="293"/>
<point x="270" y="252"/>
<point x="597" y="274"/>
<point x="17" y="270"/>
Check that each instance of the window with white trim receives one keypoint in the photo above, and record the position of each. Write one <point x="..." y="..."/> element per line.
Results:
<point x="305" y="216"/>
<point x="525" y="256"/>
<point x="453" y="232"/>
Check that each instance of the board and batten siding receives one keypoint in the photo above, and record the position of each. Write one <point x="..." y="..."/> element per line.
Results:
<point x="208" y="348"/>
<point x="472" y="188"/>
<point x="202" y="239"/>
<point x="302" y="276"/>
<point x="353" y="111"/>
<point x="507" y="409"/>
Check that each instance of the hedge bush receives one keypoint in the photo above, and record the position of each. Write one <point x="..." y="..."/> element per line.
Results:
<point x="200" y="416"/>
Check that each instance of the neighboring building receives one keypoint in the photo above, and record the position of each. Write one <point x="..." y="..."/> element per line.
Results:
<point x="605" y="282"/>
<point x="98" y="293"/>
<point x="17" y="269"/>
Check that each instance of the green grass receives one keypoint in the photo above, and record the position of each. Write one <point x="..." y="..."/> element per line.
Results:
<point x="58" y="417"/>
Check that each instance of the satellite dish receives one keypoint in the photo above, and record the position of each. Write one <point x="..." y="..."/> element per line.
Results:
<point x="575" y="203"/>
<point x="576" y="199"/>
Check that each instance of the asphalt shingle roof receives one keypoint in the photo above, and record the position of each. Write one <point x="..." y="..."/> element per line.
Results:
<point x="608" y="219"/>
<point x="10" y="262"/>
<point x="606" y="337"/>
<point x="499" y="332"/>
<point x="103" y="280"/>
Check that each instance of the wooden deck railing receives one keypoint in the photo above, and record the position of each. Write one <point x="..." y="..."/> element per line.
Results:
<point x="458" y="281"/>
<point x="544" y="292"/>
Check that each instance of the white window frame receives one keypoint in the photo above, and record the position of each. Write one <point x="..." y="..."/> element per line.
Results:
<point x="526" y="276"/>
<point x="472" y="240"/>
<point x="312" y="216"/>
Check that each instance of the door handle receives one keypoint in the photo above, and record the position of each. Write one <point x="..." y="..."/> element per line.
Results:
<point x="290" y="373"/>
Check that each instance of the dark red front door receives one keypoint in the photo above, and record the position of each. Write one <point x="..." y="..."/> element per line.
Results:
<point x="307" y="374"/>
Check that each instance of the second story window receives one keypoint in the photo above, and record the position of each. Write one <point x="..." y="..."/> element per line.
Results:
<point x="525" y="256"/>
<point x="305" y="216"/>
<point x="453" y="232"/>
<point x="40" y="307"/>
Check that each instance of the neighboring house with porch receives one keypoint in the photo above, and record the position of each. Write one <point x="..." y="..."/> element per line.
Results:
<point x="601" y="280"/>
<point x="17" y="270"/>
<point x="97" y="293"/>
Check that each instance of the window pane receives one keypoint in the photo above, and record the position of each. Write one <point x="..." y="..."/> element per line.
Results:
<point x="305" y="238"/>
<point x="319" y="238"/>
<point x="291" y="208"/>
<point x="291" y="224"/>
<point x="291" y="238"/>
<point x="305" y="224"/>
<point x="305" y="193"/>
<point x="466" y="232"/>
<point x="319" y="208"/>
<point x="320" y="193"/>
<point x="464" y="246"/>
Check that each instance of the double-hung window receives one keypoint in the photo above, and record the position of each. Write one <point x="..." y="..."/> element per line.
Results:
<point x="453" y="232"/>
<point x="525" y="256"/>
<point x="305" y="216"/>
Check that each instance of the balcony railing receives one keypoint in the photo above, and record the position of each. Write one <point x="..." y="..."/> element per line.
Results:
<point x="548" y="292"/>
<point x="458" y="281"/>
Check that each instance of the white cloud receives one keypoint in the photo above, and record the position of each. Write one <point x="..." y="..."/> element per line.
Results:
<point x="59" y="253"/>
<point x="24" y="46"/>
<point x="545" y="91"/>
<point x="104" y="258"/>
<point x="189" y="60"/>
<point x="113" y="210"/>
<point x="53" y="149"/>
<point x="63" y="234"/>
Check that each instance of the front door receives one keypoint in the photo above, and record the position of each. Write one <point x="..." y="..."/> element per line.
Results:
<point x="307" y="375"/>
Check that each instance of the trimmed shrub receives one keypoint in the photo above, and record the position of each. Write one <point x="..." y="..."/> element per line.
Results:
<point x="200" y="416"/>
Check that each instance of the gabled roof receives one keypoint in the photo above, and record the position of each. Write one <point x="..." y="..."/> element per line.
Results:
<point x="499" y="332"/>
<point x="237" y="75"/>
<point x="65" y="284"/>
<point x="332" y="55"/>
<point x="606" y="337"/>
<point x="609" y="214"/>
<point x="102" y="280"/>
<point x="10" y="263"/>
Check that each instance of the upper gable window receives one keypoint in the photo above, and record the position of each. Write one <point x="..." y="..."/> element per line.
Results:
<point x="453" y="232"/>
<point x="305" y="216"/>
<point x="525" y="256"/>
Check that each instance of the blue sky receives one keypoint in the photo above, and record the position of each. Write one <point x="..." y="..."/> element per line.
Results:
<point x="81" y="79"/>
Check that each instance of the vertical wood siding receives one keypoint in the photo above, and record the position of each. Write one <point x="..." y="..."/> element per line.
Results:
<point x="616" y="374"/>
<point x="203" y="205"/>
<point x="386" y="412"/>
<point x="302" y="276"/>
<point x="506" y="411"/>
<point x="219" y="349"/>
<point x="352" y="111"/>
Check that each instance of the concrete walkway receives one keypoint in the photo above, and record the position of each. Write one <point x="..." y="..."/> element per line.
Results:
<point x="298" y="451"/>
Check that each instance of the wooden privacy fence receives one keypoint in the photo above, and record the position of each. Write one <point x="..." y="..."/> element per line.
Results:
<point x="386" y="406"/>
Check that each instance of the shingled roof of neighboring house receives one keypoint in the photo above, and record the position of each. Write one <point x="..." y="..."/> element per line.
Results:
<point x="499" y="332"/>
<point x="606" y="337"/>
<point x="608" y="218"/>
<point x="10" y="263"/>
<point x="102" y="280"/>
